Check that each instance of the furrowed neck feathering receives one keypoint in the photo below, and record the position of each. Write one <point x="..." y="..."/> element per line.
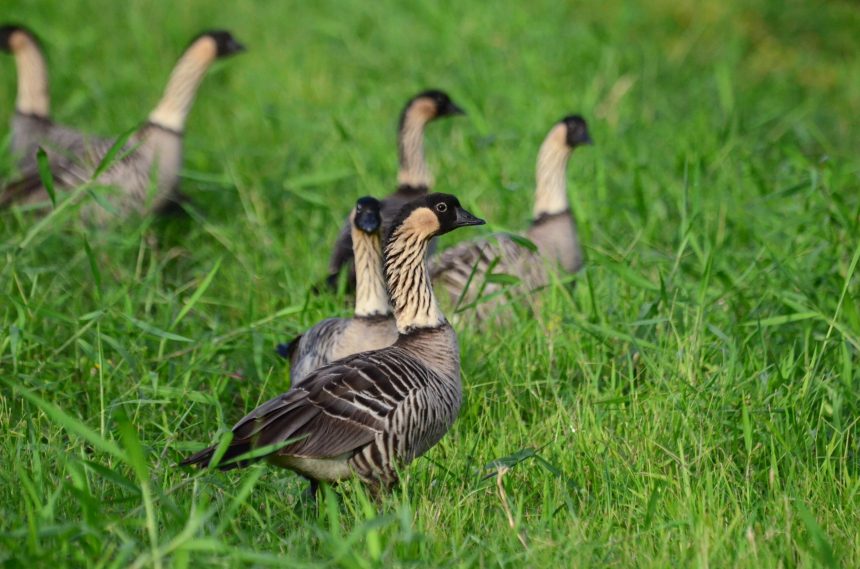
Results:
<point x="33" y="97"/>
<point x="409" y="286"/>
<point x="174" y="106"/>
<point x="551" y="175"/>
<point x="413" y="169"/>
<point x="371" y="296"/>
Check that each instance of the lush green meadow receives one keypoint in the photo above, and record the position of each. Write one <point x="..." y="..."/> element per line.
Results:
<point x="693" y="401"/>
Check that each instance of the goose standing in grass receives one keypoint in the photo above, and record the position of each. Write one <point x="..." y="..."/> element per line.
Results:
<point x="369" y="413"/>
<point x="462" y="269"/>
<point x="413" y="177"/>
<point x="156" y="147"/>
<point x="31" y="123"/>
<point x="373" y="325"/>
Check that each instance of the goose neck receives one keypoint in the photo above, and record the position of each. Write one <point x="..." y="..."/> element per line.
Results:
<point x="33" y="97"/>
<point x="371" y="296"/>
<point x="409" y="286"/>
<point x="551" y="188"/>
<point x="175" y="104"/>
<point x="413" y="169"/>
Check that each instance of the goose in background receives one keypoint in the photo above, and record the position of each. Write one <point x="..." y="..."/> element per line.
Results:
<point x="371" y="412"/>
<point x="413" y="176"/>
<point x="156" y="147"/>
<point x="462" y="269"/>
<point x="31" y="123"/>
<point x="372" y="326"/>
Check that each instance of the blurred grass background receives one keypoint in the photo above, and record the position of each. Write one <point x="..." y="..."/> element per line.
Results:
<point x="693" y="401"/>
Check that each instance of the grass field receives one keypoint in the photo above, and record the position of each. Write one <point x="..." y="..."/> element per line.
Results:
<point x="692" y="402"/>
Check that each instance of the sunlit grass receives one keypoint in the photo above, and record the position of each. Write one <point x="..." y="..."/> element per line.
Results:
<point x="693" y="401"/>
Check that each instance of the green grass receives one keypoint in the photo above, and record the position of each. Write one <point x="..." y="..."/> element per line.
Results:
<point x="694" y="401"/>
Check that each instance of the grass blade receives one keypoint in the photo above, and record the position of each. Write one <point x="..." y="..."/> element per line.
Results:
<point x="94" y="266"/>
<point x="108" y="159"/>
<point x="150" y="329"/>
<point x="197" y="293"/>
<point x="46" y="175"/>
<point x="68" y="422"/>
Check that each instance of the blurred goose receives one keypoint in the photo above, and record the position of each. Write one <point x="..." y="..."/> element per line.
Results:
<point x="369" y="413"/>
<point x="155" y="147"/>
<point x="373" y="326"/>
<point x="31" y="123"/>
<point x="553" y="231"/>
<point x="413" y="177"/>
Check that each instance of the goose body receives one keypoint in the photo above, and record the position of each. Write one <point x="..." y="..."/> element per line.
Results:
<point x="462" y="270"/>
<point x="31" y="122"/>
<point x="146" y="172"/>
<point x="413" y="176"/>
<point x="373" y="324"/>
<point x="371" y="412"/>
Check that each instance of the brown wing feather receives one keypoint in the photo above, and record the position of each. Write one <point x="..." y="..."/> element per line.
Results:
<point x="333" y="412"/>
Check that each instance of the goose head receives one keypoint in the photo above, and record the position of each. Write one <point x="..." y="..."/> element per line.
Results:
<point x="367" y="216"/>
<point x="13" y="37"/>
<point x="576" y="131"/>
<point x="432" y="215"/>
<point x="430" y="105"/>
<point x="222" y="42"/>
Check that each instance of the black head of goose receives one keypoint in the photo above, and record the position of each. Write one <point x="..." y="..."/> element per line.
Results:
<point x="154" y="148"/>
<point x="372" y="326"/>
<point x="553" y="231"/>
<point x="368" y="413"/>
<point x="413" y="173"/>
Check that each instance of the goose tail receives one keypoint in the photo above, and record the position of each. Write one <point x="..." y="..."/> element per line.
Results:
<point x="19" y="189"/>
<point x="288" y="350"/>
<point x="203" y="458"/>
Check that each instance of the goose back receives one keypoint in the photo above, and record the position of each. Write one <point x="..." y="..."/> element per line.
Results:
<point x="462" y="271"/>
<point x="151" y="149"/>
<point x="335" y="338"/>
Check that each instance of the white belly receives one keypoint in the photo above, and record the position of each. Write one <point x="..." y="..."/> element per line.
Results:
<point x="327" y="469"/>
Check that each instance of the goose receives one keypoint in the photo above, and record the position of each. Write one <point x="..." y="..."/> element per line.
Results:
<point x="31" y="121"/>
<point x="155" y="147"/>
<point x="413" y="176"/>
<point x="369" y="413"/>
<point x="553" y="232"/>
<point x="373" y="325"/>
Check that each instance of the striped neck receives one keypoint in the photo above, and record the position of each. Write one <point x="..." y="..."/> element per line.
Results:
<point x="551" y="189"/>
<point x="33" y="97"/>
<point x="173" y="108"/>
<point x="413" y="169"/>
<point x="371" y="296"/>
<point x="409" y="286"/>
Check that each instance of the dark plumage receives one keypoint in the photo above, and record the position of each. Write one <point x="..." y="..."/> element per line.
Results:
<point x="413" y="176"/>
<point x="369" y="413"/>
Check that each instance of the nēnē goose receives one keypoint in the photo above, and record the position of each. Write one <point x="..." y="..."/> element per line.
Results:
<point x="31" y="123"/>
<point x="369" y="413"/>
<point x="155" y="147"/>
<point x="553" y="231"/>
<point x="373" y="325"/>
<point x="413" y="176"/>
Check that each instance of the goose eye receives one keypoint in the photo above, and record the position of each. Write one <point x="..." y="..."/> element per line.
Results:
<point x="441" y="207"/>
